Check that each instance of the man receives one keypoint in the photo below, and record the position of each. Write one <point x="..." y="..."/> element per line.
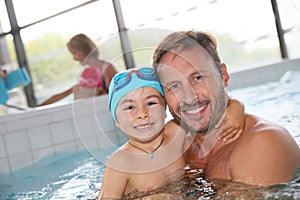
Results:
<point x="194" y="81"/>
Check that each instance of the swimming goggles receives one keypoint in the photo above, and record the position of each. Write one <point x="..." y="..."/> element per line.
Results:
<point x="122" y="79"/>
<point x="131" y="79"/>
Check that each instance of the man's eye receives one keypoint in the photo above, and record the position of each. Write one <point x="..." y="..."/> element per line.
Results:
<point x="198" y="77"/>
<point x="174" y="86"/>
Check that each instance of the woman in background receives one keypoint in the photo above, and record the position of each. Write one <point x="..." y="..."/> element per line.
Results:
<point x="96" y="76"/>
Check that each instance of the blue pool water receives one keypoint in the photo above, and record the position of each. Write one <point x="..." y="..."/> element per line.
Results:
<point x="276" y="101"/>
<point x="79" y="175"/>
<point x="57" y="176"/>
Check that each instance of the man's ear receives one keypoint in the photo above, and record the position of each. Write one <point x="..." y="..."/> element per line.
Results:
<point x="225" y="75"/>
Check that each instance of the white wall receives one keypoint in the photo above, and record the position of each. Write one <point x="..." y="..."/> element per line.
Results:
<point x="27" y="136"/>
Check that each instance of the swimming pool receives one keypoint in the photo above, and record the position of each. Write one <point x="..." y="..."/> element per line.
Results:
<point x="79" y="175"/>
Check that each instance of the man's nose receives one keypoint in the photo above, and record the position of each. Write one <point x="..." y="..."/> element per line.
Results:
<point x="189" y="95"/>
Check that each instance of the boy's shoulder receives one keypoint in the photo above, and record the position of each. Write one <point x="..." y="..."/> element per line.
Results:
<point x="172" y="125"/>
<point x="173" y="132"/>
<point x="119" y="155"/>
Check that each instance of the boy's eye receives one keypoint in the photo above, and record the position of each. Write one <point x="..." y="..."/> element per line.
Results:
<point x="129" y="107"/>
<point x="150" y="103"/>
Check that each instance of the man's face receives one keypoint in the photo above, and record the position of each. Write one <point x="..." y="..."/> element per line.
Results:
<point x="193" y="87"/>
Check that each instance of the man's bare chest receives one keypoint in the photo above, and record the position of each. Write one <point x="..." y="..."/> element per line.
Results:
<point x="216" y="164"/>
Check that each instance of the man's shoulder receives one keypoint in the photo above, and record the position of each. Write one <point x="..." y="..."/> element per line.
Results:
<point x="259" y="131"/>
<point x="262" y="136"/>
<point x="259" y="128"/>
<point x="262" y="146"/>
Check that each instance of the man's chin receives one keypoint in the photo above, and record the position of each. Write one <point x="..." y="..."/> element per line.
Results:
<point x="191" y="125"/>
<point x="194" y="127"/>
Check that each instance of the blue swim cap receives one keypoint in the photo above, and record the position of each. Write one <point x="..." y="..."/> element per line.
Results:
<point x="128" y="80"/>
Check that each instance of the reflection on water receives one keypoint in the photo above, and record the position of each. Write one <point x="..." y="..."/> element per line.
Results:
<point x="193" y="185"/>
<point x="187" y="184"/>
<point x="78" y="176"/>
<point x="232" y="190"/>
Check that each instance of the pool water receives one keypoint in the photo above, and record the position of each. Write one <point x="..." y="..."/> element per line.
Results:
<point x="79" y="175"/>
<point x="57" y="176"/>
<point x="276" y="101"/>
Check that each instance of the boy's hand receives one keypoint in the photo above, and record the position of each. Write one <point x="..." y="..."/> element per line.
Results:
<point x="234" y="121"/>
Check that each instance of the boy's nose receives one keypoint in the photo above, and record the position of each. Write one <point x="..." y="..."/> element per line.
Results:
<point x="143" y="113"/>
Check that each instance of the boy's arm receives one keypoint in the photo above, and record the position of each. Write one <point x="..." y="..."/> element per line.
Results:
<point x="113" y="184"/>
<point x="234" y="121"/>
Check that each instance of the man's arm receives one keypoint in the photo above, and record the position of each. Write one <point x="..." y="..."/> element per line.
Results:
<point x="268" y="156"/>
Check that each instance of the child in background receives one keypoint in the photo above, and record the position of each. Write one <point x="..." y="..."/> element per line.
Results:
<point x="96" y="75"/>
<point x="154" y="150"/>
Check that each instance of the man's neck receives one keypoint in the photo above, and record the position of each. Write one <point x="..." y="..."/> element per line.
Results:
<point x="209" y="143"/>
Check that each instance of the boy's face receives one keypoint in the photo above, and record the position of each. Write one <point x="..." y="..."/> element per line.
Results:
<point x="141" y="113"/>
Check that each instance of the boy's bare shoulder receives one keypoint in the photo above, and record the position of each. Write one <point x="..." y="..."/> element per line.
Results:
<point x="119" y="156"/>
<point x="173" y="132"/>
<point x="172" y="128"/>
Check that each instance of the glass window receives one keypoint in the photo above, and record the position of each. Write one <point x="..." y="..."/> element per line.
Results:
<point x="4" y="21"/>
<point x="37" y="9"/>
<point x="8" y="62"/>
<point x="52" y="67"/>
<point x="246" y="32"/>
<point x="289" y="11"/>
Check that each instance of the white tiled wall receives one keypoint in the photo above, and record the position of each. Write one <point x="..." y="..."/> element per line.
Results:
<point x="28" y="136"/>
<point x="86" y="124"/>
